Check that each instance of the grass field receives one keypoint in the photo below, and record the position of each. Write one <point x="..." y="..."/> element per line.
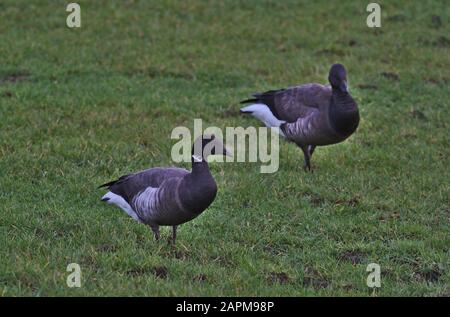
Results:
<point x="79" y="107"/>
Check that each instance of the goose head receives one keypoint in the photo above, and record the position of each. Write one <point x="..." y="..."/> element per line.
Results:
<point x="338" y="78"/>
<point x="207" y="145"/>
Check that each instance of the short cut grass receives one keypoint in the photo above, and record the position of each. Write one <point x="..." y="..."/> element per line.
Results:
<point x="79" y="107"/>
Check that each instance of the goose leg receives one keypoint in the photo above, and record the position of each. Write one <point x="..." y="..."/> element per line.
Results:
<point x="155" y="229"/>
<point x="174" y="234"/>
<point x="306" y="153"/>
<point x="311" y="149"/>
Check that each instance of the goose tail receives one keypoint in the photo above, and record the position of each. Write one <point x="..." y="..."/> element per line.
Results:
<point x="107" y="184"/>
<point x="251" y="100"/>
<point x="117" y="181"/>
<point x="262" y="112"/>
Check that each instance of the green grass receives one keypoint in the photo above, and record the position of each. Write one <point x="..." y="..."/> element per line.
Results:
<point x="94" y="103"/>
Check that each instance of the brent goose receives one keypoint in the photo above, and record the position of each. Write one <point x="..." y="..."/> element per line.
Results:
<point x="168" y="196"/>
<point x="309" y="115"/>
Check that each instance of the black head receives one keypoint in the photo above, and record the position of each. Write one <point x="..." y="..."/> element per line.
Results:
<point x="208" y="145"/>
<point x="338" y="77"/>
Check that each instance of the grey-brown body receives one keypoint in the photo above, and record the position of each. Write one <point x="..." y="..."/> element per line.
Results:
<point x="159" y="202"/>
<point x="309" y="121"/>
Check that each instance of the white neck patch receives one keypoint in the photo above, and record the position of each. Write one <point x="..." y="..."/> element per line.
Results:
<point x="197" y="158"/>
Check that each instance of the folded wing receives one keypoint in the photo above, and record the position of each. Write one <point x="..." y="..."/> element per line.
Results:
<point x="296" y="102"/>
<point x="129" y="186"/>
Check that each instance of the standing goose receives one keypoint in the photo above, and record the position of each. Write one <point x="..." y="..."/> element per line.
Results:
<point x="168" y="196"/>
<point x="309" y="115"/>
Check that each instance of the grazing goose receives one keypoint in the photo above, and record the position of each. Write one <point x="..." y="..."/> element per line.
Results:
<point x="168" y="196"/>
<point x="309" y="115"/>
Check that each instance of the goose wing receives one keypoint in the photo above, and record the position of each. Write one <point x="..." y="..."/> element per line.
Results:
<point x="128" y="186"/>
<point x="296" y="102"/>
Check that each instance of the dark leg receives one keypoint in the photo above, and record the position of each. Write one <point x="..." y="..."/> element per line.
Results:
<point x="155" y="229"/>
<point x="174" y="235"/>
<point x="305" y="149"/>
<point x="311" y="149"/>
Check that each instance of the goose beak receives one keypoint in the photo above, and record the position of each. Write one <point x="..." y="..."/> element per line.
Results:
<point x="344" y="86"/>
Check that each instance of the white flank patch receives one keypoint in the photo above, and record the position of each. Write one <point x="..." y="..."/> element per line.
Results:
<point x="197" y="158"/>
<point x="262" y="112"/>
<point x="121" y="203"/>
<point x="145" y="202"/>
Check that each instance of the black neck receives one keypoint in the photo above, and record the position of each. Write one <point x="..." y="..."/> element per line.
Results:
<point x="199" y="166"/>
<point x="344" y="116"/>
<point x="199" y="188"/>
<point x="343" y="100"/>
